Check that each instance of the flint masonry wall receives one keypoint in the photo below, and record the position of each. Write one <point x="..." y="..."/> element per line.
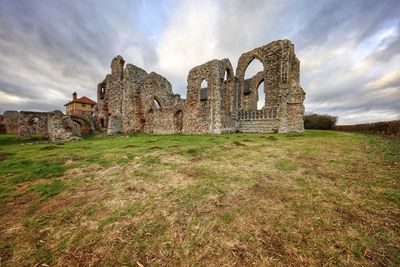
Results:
<point x="11" y="119"/>
<point x="204" y="116"/>
<point x="55" y="126"/>
<point x="32" y="123"/>
<point x="131" y="100"/>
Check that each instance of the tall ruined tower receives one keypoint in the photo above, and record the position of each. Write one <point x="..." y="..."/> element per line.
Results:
<point x="109" y="96"/>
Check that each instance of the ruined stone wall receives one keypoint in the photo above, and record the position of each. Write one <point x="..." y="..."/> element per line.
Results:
<point x="60" y="127"/>
<point x="55" y="126"/>
<point x="205" y="117"/>
<point x="271" y="56"/>
<point x="2" y="125"/>
<point x="157" y="103"/>
<point x="32" y="123"/>
<point x="131" y="100"/>
<point x="228" y="99"/>
<point x="133" y="120"/>
<point x="11" y="119"/>
<point x="295" y="98"/>
<point x="110" y="95"/>
<point x="126" y="105"/>
<point x="282" y="89"/>
<point x="166" y="121"/>
<point x="228" y="123"/>
<point x="295" y="113"/>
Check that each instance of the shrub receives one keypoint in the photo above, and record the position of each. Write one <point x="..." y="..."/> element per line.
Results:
<point x="385" y="127"/>
<point x="319" y="121"/>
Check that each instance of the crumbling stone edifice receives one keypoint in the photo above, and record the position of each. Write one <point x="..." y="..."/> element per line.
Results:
<point x="131" y="100"/>
<point x="55" y="125"/>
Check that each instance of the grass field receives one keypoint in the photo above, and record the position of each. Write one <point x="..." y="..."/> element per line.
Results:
<point x="321" y="198"/>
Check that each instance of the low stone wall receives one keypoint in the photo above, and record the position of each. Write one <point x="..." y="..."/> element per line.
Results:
<point x="55" y="125"/>
<point x="2" y="125"/>
<point x="386" y="127"/>
<point x="258" y="121"/>
<point x="31" y="122"/>
<point x="258" y="126"/>
<point x="11" y="122"/>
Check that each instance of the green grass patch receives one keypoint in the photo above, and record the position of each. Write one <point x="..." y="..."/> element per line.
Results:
<point x="151" y="160"/>
<point x="50" y="189"/>
<point x="392" y="195"/>
<point x="226" y="218"/>
<point x="117" y="214"/>
<point x="285" y="165"/>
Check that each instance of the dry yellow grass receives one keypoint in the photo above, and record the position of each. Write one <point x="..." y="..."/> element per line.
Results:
<point x="322" y="198"/>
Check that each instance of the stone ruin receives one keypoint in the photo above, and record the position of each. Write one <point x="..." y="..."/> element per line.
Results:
<point x="131" y="100"/>
<point x="2" y="125"/>
<point x="55" y="125"/>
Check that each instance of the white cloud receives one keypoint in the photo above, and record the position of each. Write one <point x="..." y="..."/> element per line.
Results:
<point x="388" y="79"/>
<point x="189" y="38"/>
<point x="6" y="98"/>
<point x="367" y="116"/>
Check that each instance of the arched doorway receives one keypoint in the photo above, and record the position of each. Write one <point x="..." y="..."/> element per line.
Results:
<point x="82" y="126"/>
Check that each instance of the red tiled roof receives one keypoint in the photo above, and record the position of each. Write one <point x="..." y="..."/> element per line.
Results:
<point x="83" y="100"/>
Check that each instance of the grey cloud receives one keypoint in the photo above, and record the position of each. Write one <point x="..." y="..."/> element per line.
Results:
<point x="77" y="40"/>
<point x="391" y="50"/>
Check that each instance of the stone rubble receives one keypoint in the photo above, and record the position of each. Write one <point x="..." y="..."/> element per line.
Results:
<point x="55" y="125"/>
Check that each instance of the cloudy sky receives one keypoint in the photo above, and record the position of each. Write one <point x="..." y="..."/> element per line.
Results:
<point x="349" y="50"/>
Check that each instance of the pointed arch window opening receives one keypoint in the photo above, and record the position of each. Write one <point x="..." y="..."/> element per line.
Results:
<point x="203" y="103"/>
<point x="261" y="95"/>
<point x="102" y="92"/>
<point x="228" y="93"/>
<point x="254" y="66"/>
<point x="156" y="103"/>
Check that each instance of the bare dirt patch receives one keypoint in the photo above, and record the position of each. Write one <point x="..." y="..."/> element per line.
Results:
<point x="3" y="156"/>
<point x="237" y="143"/>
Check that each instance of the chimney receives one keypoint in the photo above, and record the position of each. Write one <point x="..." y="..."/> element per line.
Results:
<point x="74" y="96"/>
